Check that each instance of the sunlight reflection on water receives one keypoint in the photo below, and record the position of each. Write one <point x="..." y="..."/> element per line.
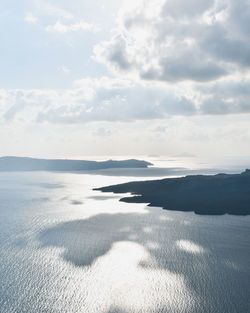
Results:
<point x="189" y="246"/>
<point x="65" y="250"/>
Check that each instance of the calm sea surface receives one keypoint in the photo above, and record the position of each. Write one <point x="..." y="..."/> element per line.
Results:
<point x="66" y="248"/>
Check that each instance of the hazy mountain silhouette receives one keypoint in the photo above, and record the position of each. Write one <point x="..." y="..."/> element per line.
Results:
<point x="11" y="163"/>
<point x="203" y="194"/>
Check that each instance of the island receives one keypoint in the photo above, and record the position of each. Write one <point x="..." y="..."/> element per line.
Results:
<point x="12" y="163"/>
<point x="203" y="194"/>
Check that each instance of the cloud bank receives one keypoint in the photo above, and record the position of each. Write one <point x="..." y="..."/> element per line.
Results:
<point x="166" y="58"/>
<point x="195" y="40"/>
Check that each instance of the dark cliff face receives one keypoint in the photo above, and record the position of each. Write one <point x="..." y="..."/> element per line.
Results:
<point x="31" y="164"/>
<point x="215" y="194"/>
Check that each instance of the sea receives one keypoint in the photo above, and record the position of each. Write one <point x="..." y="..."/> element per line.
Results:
<point x="65" y="248"/>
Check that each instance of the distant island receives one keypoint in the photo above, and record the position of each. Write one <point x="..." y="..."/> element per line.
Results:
<point x="202" y="194"/>
<point x="11" y="163"/>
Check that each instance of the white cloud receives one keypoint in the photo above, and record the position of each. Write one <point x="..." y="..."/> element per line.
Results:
<point x="104" y="82"/>
<point x="48" y="8"/>
<point x="199" y="41"/>
<point x="159" y="129"/>
<point x="30" y="18"/>
<point x="180" y="9"/>
<point x="200" y="49"/>
<point x="179" y="72"/>
<point x="116" y="99"/>
<point x="64" y="69"/>
<point x="101" y="99"/>
<point x="102" y="132"/>
<point x="64" y="28"/>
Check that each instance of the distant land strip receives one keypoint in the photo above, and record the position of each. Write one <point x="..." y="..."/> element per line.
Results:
<point x="12" y="163"/>
<point x="203" y="194"/>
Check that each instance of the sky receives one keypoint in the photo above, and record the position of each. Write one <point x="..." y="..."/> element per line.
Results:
<point x="124" y="77"/>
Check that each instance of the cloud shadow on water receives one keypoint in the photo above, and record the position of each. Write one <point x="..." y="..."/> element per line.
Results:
<point x="213" y="263"/>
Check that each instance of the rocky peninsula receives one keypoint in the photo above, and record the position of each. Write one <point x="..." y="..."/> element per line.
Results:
<point x="203" y="194"/>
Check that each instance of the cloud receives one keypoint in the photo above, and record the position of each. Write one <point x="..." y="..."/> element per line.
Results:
<point x="65" y="28"/>
<point x="159" y="129"/>
<point x="30" y="18"/>
<point x="180" y="9"/>
<point x="228" y="97"/>
<point x="196" y="41"/>
<point x="119" y="105"/>
<point x="64" y="69"/>
<point x="104" y="99"/>
<point x="104" y="82"/>
<point x="222" y="48"/>
<point x="117" y="99"/>
<point x="176" y="69"/>
<point x="102" y="132"/>
<point x="50" y="9"/>
<point x="166" y="58"/>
